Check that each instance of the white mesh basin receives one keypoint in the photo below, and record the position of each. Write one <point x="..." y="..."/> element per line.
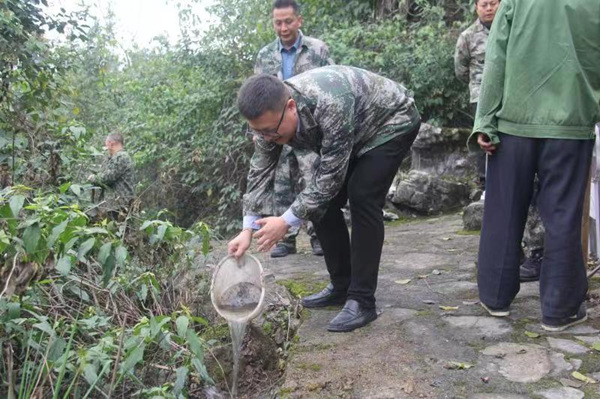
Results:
<point x="238" y="291"/>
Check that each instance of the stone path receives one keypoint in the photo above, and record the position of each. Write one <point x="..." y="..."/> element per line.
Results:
<point x="432" y="339"/>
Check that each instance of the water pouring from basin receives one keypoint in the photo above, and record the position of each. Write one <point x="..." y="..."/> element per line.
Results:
<point x="237" y="293"/>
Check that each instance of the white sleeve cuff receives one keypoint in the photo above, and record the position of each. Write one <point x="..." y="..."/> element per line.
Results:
<point x="291" y="219"/>
<point x="250" y="222"/>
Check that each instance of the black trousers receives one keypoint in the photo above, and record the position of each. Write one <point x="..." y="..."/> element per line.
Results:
<point x="353" y="260"/>
<point x="562" y="167"/>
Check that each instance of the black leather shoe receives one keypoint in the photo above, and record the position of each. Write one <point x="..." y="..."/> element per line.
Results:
<point x="316" y="247"/>
<point x="282" y="250"/>
<point x="352" y="316"/>
<point x="327" y="297"/>
<point x="531" y="268"/>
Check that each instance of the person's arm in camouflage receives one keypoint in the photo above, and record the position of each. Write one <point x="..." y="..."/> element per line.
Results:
<point x="326" y="56"/>
<point x="462" y="58"/>
<point x="335" y="118"/>
<point x="258" y="64"/>
<point x="112" y="172"/>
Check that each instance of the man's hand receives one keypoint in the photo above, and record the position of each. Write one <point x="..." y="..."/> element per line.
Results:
<point x="273" y="229"/>
<point x="484" y="142"/>
<point x="240" y="244"/>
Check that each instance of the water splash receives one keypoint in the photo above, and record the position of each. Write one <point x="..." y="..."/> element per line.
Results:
<point x="237" y="330"/>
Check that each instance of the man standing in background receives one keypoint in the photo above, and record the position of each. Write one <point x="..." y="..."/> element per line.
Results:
<point x="469" y="59"/>
<point x="290" y="54"/>
<point x="116" y="175"/>
<point x="539" y="102"/>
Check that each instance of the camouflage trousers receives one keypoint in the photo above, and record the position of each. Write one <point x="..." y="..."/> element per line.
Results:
<point x="533" y="237"/>
<point x="293" y="169"/>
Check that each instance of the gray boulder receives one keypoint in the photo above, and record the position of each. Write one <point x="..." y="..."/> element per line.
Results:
<point x="427" y="194"/>
<point x="473" y="216"/>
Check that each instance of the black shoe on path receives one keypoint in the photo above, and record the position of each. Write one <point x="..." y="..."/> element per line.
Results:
<point x="316" y="246"/>
<point x="281" y="250"/>
<point x="327" y="297"/>
<point x="531" y="268"/>
<point x="353" y="316"/>
<point x="554" y="324"/>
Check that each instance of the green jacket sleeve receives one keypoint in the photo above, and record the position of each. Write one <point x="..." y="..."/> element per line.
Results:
<point x="492" y="87"/>
<point x="259" y="199"/>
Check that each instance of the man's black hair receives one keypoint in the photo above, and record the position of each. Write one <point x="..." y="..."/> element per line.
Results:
<point x="286" y="4"/>
<point x="261" y="93"/>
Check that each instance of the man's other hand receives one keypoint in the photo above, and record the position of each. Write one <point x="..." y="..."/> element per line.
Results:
<point x="240" y="244"/>
<point x="273" y="229"/>
<point x="486" y="145"/>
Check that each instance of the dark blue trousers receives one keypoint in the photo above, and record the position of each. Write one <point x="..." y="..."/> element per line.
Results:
<point x="562" y="167"/>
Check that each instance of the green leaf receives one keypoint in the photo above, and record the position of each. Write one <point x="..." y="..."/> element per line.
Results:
<point x="90" y="373"/>
<point x="194" y="344"/>
<point x="120" y="255"/>
<point x="107" y="269"/>
<point x="596" y="346"/>
<point x="182" y="374"/>
<point x="182" y="324"/>
<point x="45" y="327"/>
<point x="56" y="349"/>
<point x="133" y="358"/>
<point x="64" y="187"/>
<point x="63" y="266"/>
<point x="85" y="248"/>
<point x="16" y="204"/>
<point x="76" y="189"/>
<point x="82" y="294"/>
<point x="532" y="334"/>
<point x="104" y="252"/>
<point x="56" y="232"/>
<point x="146" y="224"/>
<point x="31" y="238"/>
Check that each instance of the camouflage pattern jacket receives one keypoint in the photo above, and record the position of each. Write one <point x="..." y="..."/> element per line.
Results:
<point x="343" y="113"/>
<point x="312" y="53"/>
<point x="469" y="57"/>
<point x="117" y="175"/>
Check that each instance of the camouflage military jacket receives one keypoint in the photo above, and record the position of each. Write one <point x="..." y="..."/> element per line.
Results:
<point x="469" y="57"/>
<point x="343" y="113"/>
<point x="312" y="53"/>
<point x="117" y="175"/>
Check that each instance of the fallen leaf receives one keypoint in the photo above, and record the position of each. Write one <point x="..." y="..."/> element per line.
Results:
<point x="500" y="355"/>
<point x="408" y="387"/>
<point x="570" y="383"/>
<point x="458" y="366"/>
<point x="436" y="272"/>
<point x="596" y="346"/>
<point x="446" y="238"/>
<point x="470" y="303"/>
<point x="446" y="308"/>
<point x="578" y="376"/>
<point x="403" y="282"/>
<point x="485" y="379"/>
<point x="422" y="276"/>
<point x="522" y="352"/>
<point x="429" y="302"/>
<point x="532" y="334"/>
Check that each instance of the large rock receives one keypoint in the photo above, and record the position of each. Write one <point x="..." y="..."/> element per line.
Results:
<point x="427" y="194"/>
<point x="473" y="216"/>
<point x="443" y="151"/>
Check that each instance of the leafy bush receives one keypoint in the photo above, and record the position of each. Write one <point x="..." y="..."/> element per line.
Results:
<point x="81" y="315"/>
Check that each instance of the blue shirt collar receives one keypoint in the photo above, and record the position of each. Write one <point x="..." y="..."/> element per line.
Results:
<point x="296" y="45"/>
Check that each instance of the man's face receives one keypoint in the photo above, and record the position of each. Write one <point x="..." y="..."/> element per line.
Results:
<point x="277" y="126"/>
<point x="287" y="24"/>
<point x="110" y="146"/>
<point x="486" y="10"/>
